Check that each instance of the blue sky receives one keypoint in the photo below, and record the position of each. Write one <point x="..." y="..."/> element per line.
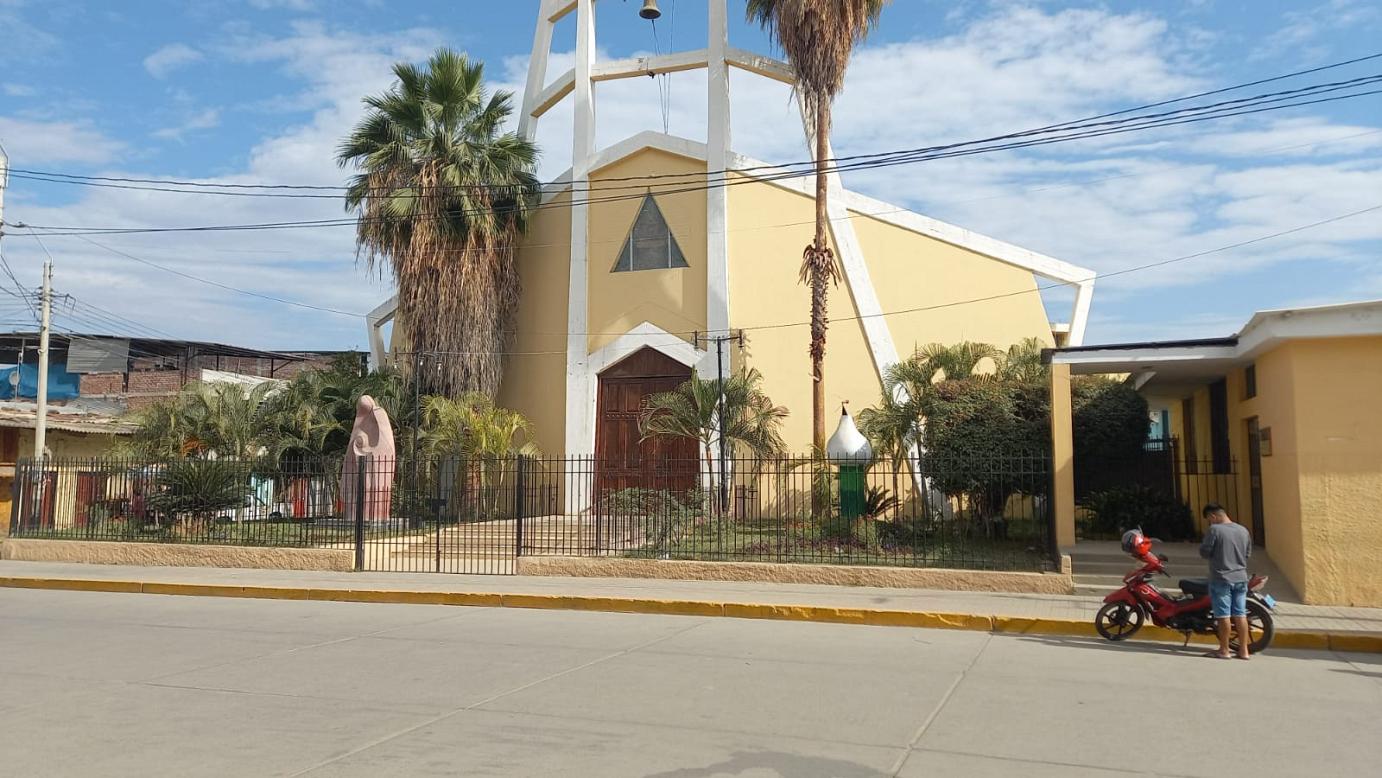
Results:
<point x="260" y="91"/>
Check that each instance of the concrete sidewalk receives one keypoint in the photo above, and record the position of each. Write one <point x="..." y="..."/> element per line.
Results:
<point x="1300" y="626"/>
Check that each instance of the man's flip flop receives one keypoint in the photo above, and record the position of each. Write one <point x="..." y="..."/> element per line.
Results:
<point x="1216" y="655"/>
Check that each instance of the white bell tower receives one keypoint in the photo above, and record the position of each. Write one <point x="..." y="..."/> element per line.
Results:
<point x="542" y="92"/>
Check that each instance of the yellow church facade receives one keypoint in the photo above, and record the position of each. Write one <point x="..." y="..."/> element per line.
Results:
<point x="658" y="245"/>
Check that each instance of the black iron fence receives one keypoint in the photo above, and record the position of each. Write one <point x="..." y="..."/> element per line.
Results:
<point x="1159" y="490"/>
<point x="479" y="516"/>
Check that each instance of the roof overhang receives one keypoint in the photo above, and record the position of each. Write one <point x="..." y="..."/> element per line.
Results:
<point x="1172" y="365"/>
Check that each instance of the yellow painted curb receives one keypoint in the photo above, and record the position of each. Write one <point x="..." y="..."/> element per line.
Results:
<point x="226" y="590"/>
<point x="73" y="585"/>
<point x="612" y="604"/>
<point x="1369" y="643"/>
<point x="1015" y="625"/>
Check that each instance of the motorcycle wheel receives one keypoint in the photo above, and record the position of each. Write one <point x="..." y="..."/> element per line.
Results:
<point x="1260" y="627"/>
<point x="1118" y="621"/>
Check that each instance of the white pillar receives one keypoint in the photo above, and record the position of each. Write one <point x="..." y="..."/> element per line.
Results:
<point x="537" y="70"/>
<point x="717" y="159"/>
<point x="1079" y="320"/>
<point x="580" y="391"/>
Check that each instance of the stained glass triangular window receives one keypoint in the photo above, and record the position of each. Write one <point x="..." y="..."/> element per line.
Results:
<point x="650" y="244"/>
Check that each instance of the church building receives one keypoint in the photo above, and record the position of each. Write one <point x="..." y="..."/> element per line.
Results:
<point x="659" y="245"/>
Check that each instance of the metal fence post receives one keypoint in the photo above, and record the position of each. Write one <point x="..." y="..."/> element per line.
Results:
<point x="519" y="505"/>
<point x="21" y="478"/>
<point x="360" y="512"/>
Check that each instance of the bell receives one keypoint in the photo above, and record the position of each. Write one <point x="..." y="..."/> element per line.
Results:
<point x="649" y="10"/>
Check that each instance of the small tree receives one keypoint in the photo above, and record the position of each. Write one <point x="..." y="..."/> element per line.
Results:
<point x="479" y="436"/>
<point x="194" y="491"/>
<point x="753" y="425"/>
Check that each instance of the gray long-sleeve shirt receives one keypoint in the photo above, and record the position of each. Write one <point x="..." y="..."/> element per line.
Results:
<point x="1227" y="546"/>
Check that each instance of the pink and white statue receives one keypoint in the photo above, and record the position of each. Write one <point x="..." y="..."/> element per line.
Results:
<point x="372" y="438"/>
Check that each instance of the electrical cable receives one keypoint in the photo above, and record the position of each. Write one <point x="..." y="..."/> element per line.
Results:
<point x="808" y="163"/>
<point x="53" y="230"/>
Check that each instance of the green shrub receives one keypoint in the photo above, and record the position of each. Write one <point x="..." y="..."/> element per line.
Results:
<point x="200" y="488"/>
<point x="667" y="515"/>
<point x="1159" y="515"/>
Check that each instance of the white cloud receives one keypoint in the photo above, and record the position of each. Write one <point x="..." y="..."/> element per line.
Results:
<point x="1308" y="30"/>
<point x="170" y="58"/>
<point x="202" y="120"/>
<point x="44" y="142"/>
<point x="23" y="40"/>
<point x="315" y="266"/>
<point x="290" y="5"/>
<point x="1106" y="204"/>
<point x="19" y="90"/>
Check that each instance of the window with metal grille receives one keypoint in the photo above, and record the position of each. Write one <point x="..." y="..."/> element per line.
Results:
<point x="1250" y="381"/>
<point x="650" y="244"/>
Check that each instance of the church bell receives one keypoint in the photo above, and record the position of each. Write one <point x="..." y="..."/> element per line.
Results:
<point x="650" y="10"/>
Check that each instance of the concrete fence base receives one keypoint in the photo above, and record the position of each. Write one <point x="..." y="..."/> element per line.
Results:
<point x="832" y="575"/>
<point x="176" y="555"/>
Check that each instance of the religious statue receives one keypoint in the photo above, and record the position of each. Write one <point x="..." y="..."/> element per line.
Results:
<point x="371" y="438"/>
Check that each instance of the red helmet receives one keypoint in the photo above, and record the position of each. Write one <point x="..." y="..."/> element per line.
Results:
<point x="1135" y="543"/>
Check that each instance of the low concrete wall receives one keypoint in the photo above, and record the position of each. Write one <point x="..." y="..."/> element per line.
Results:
<point x="175" y="555"/>
<point x="833" y="575"/>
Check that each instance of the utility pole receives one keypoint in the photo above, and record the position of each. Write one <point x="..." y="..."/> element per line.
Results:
<point x="41" y="421"/>
<point x="4" y="183"/>
<point x="720" y="341"/>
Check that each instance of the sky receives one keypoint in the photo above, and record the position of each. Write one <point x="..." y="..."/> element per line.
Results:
<point x="262" y="91"/>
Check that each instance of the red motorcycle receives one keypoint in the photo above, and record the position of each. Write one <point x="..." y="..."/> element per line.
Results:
<point x="1125" y="610"/>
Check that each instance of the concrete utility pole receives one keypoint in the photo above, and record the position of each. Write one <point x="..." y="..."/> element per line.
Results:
<point x="4" y="182"/>
<point x="41" y="421"/>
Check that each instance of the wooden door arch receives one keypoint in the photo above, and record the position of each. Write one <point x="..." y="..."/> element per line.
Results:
<point x="623" y="460"/>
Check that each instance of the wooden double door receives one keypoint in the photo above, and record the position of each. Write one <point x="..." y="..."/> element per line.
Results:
<point x="624" y="460"/>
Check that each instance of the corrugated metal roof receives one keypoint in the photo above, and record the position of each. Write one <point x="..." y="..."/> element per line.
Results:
<point x="25" y="415"/>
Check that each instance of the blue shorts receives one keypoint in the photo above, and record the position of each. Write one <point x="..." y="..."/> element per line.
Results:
<point x="1229" y="599"/>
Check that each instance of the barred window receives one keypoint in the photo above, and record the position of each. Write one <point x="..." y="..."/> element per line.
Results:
<point x="650" y="244"/>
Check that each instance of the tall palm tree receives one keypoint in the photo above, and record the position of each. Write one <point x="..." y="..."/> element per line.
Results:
<point x="443" y="197"/>
<point x="818" y="37"/>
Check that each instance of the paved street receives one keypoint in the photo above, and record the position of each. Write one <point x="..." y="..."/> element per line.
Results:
<point x="123" y="684"/>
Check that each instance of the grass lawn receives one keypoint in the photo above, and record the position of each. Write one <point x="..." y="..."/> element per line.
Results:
<point x="287" y="533"/>
<point x="780" y="541"/>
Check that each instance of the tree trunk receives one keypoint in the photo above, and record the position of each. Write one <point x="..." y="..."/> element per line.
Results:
<point x="819" y="282"/>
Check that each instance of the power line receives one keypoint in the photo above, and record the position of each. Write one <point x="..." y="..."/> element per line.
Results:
<point x="986" y="298"/>
<point x="808" y="163"/>
<point x="1218" y="113"/>
<point x="218" y="284"/>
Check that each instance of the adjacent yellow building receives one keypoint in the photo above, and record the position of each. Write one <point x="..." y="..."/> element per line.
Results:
<point x="1290" y="406"/>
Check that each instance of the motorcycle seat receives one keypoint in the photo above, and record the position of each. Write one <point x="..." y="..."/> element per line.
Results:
<point x="1195" y="586"/>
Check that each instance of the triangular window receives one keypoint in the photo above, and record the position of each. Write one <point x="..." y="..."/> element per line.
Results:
<point x="650" y="244"/>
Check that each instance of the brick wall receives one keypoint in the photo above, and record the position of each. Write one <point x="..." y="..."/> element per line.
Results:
<point x="102" y="384"/>
<point x="155" y="382"/>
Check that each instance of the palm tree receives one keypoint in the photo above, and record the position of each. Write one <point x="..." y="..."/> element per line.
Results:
<point x="753" y="425"/>
<point x="818" y="37"/>
<point x="954" y="362"/>
<point x="477" y="438"/>
<point x="212" y="419"/>
<point x="443" y="197"/>
<point x="1021" y="363"/>
<point x="472" y="427"/>
<point x="313" y="414"/>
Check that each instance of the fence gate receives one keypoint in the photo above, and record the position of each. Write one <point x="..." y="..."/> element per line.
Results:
<point x="448" y="516"/>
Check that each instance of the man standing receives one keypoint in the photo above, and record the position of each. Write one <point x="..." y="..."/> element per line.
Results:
<point x="1227" y="546"/>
